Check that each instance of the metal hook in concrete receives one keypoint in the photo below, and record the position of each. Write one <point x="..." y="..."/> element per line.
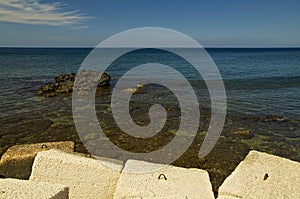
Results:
<point x="162" y="175"/>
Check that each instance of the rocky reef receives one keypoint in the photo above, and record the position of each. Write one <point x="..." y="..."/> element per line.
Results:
<point x="64" y="83"/>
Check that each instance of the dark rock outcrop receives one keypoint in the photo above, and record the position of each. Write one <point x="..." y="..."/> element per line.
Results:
<point x="65" y="78"/>
<point x="64" y="83"/>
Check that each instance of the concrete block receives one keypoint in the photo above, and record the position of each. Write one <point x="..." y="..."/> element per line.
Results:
<point x="227" y="197"/>
<point x="262" y="175"/>
<point x="20" y="189"/>
<point x="86" y="177"/>
<point x="17" y="161"/>
<point x="176" y="183"/>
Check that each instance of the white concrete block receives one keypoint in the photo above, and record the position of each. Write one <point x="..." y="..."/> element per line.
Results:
<point x="17" y="161"/>
<point x="86" y="177"/>
<point x="179" y="182"/>
<point x="20" y="189"/>
<point x="262" y="175"/>
<point x="228" y="197"/>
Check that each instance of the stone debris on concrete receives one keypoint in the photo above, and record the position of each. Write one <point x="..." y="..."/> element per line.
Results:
<point x="85" y="177"/>
<point x="20" y="189"/>
<point x="262" y="175"/>
<point x="167" y="182"/>
<point x="17" y="161"/>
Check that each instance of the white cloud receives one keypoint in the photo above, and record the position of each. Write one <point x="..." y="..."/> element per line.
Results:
<point x="36" y="13"/>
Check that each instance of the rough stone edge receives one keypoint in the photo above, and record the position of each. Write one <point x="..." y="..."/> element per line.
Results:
<point x="106" y="162"/>
<point x="62" y="191"/>
<point x="5" y="155"/>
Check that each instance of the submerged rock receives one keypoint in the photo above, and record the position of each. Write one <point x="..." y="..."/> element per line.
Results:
<point x="273" y="118"/>
<point x="64" y="83"/>
<point x="244" y="133"/>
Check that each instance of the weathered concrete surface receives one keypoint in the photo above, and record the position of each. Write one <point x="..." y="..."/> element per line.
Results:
<point x="228" y="197"/>
<point x="20" y="189"/>
<point x="179" y="182"/>
<point x="262" y="175"/>
<point x="86" y="177"/>
<point x="17" y="161"/>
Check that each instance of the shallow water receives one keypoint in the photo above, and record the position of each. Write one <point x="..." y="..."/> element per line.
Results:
<point x="262" y="87"/>
<point x="51" y="120"/>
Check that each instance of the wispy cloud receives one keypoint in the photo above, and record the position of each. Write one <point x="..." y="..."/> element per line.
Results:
<point x="37" y="13"/>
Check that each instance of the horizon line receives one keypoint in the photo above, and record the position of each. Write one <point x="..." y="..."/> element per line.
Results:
<point x="202" y="46"/>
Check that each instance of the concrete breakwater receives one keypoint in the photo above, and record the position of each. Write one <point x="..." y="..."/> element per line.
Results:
<point x="57" y="172"/>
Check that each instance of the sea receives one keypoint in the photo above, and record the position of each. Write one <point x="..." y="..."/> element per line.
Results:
<point x="257" y="80"/>
<point x="262" y="91"/>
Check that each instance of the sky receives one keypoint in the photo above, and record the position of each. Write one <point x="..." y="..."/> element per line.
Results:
<point x="213" y="23"/>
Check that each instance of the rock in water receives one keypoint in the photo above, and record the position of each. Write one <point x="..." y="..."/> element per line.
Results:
<point x="274" y="118"/>
<point x="64" y="83"/>
<point x="104" y="80"/>
<point x="65" y="77"/>
<point x="244" y="133"/>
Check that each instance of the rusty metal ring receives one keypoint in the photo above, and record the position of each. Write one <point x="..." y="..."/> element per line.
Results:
<point x="162" y="175"/>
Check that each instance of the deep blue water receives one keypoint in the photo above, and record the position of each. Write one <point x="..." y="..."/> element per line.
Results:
<point x="257" y="81"/>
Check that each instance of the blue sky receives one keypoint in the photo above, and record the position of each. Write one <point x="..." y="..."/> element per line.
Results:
<point x="214" y="23"/>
